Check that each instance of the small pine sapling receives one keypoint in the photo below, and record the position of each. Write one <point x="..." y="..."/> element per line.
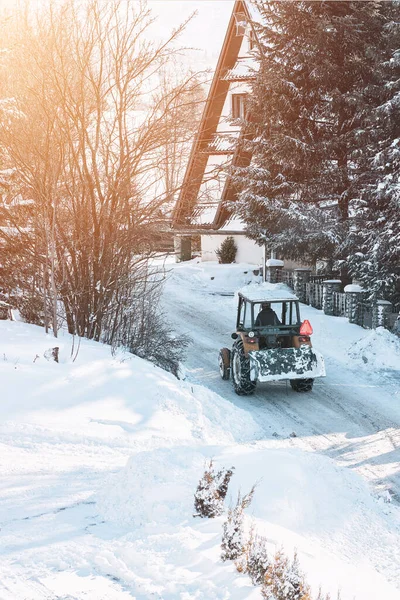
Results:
<point x="321" y="596"/>
<point x="227" y="251"/>
<point x="284" y="581"/>
<point x="233" y="542"/>
<point x="297" y="587"/>
<point x="211" y="492"/>
<point x="241" y="562"/>
<point x="257" y="559"/>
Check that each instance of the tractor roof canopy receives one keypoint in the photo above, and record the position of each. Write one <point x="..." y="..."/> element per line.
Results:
<point x="267" y="292"/>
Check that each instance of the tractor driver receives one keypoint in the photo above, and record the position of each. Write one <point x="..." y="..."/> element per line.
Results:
<point x="266" y="316"/>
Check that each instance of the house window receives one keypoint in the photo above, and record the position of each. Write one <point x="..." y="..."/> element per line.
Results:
<point x="238" y="106"/>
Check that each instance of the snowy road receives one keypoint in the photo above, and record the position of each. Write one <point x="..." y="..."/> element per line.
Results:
<point x="352" y="416"/>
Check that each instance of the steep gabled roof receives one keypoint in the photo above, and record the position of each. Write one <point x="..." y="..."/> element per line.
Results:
<point x="207" y="141"/>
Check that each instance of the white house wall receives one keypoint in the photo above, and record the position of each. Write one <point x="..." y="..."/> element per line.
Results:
<point x="248" y="251"/>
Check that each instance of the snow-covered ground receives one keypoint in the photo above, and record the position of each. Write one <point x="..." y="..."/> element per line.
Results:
<point x="100" y="459"/>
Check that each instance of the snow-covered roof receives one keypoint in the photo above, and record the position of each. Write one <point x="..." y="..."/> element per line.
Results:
<point x="242" y="71"/>
<point x="267" y="292"/>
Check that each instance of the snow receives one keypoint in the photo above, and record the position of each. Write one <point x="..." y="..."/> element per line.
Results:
<point x="302" y="363"/>
<point x="100" y="459"/>
<point x="354" y="287"/>
<point x="273" y="292"/>
<point x="274" y="262"/>
<point x="379" y="349"/>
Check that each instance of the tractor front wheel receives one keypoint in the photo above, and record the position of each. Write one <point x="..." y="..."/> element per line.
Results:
<point x="302" y="385"/>
<point x="224" y="363"/>
<point x="242" y="383"/>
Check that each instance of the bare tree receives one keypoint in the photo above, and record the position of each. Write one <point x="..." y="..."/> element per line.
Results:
<point x="182" y="96"/>
<point x="86" y="134"/>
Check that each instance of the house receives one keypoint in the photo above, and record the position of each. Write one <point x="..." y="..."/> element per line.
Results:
<point x="201" y="207"/>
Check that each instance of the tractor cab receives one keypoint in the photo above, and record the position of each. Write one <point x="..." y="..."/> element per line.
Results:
<point x="269" y="323"/>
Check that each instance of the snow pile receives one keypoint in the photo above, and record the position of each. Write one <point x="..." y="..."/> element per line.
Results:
<point x="308" y="494"/>
<point x="379" y="349"/>
<point x="304" y="501"/>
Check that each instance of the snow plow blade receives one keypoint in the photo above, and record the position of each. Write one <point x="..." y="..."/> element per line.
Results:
<point x="286" y="363"/>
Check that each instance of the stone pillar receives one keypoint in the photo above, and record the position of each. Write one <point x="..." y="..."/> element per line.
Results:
<point x="301" y="278"/>
<point x="182" y="247"/>
<point x="396" y="327"/>
<point x="273" y="267"/>
<point x="330" y="286"/>
<point x="379" y="313"/>
<point x="353" y="293"/>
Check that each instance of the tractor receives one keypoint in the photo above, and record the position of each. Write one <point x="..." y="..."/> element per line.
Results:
<point x="271" y="343"/>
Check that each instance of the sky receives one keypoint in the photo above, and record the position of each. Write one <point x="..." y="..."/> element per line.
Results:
<point x="205" y="32"/>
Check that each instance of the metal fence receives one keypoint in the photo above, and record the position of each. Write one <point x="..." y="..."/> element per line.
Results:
<point x="365" y="311"/>
<point x="339" y="304"/>
<point x="342" y="305"/>
<point x="286" y="276"/>
<point x="314" y="294"/>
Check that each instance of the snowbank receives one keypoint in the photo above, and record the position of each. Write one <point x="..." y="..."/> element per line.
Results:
<point x="303" y="501"/>
<point x="379" y="349"/>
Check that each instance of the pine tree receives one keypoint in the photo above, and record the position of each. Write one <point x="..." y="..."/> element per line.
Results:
<point x="211" y="492"/>
<point x="233" y="538"/>
<point x="319" y="78"/>
<point x="374" y="256"/>
<point x="227" y="251"/>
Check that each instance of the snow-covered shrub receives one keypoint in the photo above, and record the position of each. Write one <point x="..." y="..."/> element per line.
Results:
<point x="31" y="309"/>
<point x="284" y="581"/>
<point x="233" y="539"/>
<point x="159" y="344"/>
<point x="227" y="251"/>
<point x="142" y="329"/>
<point x="257" y="561"/>
<point x="211" y="492"/>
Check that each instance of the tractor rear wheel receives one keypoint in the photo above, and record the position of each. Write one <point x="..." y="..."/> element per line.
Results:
<point x="242" y="383"/>
<point x="224" y="363"/>
<point x="302" y="385"/>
